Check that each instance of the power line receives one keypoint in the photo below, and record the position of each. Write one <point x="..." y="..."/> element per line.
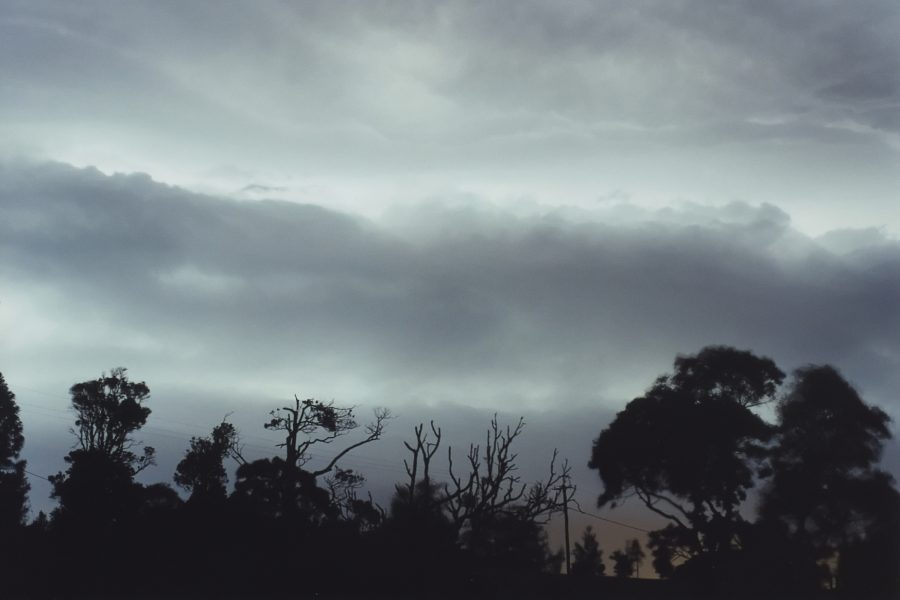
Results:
<point x="614" y="522"/>
<point x="36" y="475"/>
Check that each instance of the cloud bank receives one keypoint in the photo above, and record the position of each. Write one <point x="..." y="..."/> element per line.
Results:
<point x="453" y="301"/>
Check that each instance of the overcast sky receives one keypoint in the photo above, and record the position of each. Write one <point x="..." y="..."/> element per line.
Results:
<point x="529" y="207"/>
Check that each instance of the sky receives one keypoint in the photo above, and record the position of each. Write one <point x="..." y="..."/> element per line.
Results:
<point x="450" y="209"/>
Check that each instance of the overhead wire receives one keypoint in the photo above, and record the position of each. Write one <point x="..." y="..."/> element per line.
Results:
<point x="612" y="521"/>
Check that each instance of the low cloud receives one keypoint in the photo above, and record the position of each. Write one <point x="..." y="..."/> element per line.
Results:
<point x="449" y="302"/>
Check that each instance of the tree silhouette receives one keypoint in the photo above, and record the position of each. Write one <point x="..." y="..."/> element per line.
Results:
<point x="98" y="487"/>
<point x="588" y="557"/>
<point x="825" y="488"/>
<point x="363" y="514"/>
<point x="627" y="561"/>
<point x="510" y="541"/>
<point x="282" y="489"/>
<point x="13" y="483"/>
<point x="202" y="470"/>
<point x="273" y="490"/>
<point x="310" y="422"/>
<point x="494" y="516"/>
<point x="622" y="565"/>
<point x="109" y="410"/>
<point x="490" y="485"/>
<point x="635" y="554"/>
<point x="690" y="448"/>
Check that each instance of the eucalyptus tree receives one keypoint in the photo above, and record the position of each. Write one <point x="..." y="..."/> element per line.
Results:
<point x="690" y="449"/>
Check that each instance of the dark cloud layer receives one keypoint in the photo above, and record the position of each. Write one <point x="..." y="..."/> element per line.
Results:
<point x="450" y="302"/>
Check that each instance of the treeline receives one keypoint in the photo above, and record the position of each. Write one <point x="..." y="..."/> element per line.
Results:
<point x="692" y="449"/>
<point x="284" y="528"/>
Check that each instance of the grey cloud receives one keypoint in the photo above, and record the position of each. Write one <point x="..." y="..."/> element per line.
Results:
<point x="258" y="188"/>
<point x="848" y="241"/>
<point x="793" y="104"/>
<point x="412" y="69"/>
<point x="447" y="304"/>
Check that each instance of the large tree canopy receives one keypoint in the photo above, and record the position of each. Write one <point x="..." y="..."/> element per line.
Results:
<point x="690" y="447"/>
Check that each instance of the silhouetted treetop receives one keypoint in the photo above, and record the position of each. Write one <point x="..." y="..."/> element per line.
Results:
<point x="735" y="375"/>
<point x="825" y="423"/>
<point x="635" y="554"/>
<point x="622" y="564"/>
<point x="587" y="555"/>
<point x="825" y="487"/>
<point x="682" y="441"/>
<point x="489" y="483"/>
<point x="98" y="490"/>
<point x="11" y="439"/>
<point x="13" y="483"/>
<point x="109" y="409"/>
<point x="310" y="422"/>
<point x="690" y="448"/>
<point x="202" y="470"/>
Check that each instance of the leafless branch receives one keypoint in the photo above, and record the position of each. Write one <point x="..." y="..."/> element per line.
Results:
<point x="423" y="450"/>
<point x="374" y="431"/>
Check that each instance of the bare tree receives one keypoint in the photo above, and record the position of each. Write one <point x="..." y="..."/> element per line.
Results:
<point x="423" y="452"/>
<point x="310" y="422"/>
<point x="490" y="485"/>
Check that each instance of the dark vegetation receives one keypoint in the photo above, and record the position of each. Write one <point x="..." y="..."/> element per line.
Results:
<point x="821" y="520"/>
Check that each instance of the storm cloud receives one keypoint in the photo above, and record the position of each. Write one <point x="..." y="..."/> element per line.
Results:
<point x="453" y="301"/>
